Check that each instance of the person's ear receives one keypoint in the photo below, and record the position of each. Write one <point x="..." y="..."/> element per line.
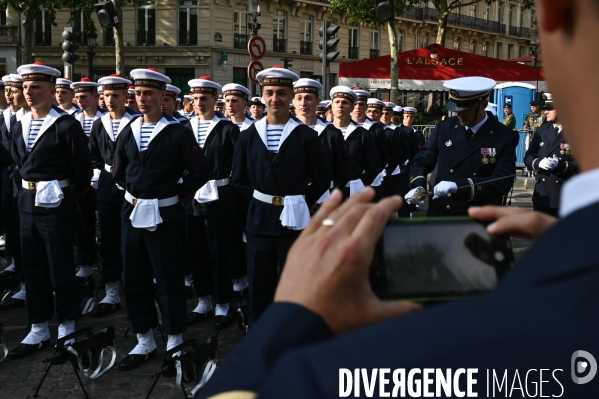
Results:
<point x="553" y="14"/>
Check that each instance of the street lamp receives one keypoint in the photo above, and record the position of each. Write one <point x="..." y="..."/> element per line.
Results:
<point x="91" y="44"/>
<point x="254" y="13"/>
<point x="534" y="43"/>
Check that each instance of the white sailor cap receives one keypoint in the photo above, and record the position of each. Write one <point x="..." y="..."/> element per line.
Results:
<point x="131" y="91"/>
<point x="322" y="105"/>
<point x="84" y="86"/>
<point x="149" y="77"/>
<point x="363" y="95"/>
<point x="307" y="86"/>
<point x="38" y="72"/>
<point x="188" y="97"/>
<point x="291" y="105"/>
<point x="397" y="109"/>
<point x="100" y="90"/>
<point x="389" y="104"/>
<point x="329" y="102"/>
<point x="13" y="80"/>
<point x="492" y="108"/>
<point x="547" y="101"/>
<point x="257" y="101"/>
<point x="277" y="76"/>
<point x="114" y="82"/>
<point x="172" y="91"/>
<point x="465" y="92"/>
<point x="204" y="85"/>
<point x="344" y="92"/>
<point x="234" y="89"/>
<point x="375" y="103"/>
<point x="410" y="109"/>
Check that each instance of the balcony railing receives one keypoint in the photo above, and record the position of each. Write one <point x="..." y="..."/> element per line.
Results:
<point x="279" y="45"/>
<point x="353" y="53"/>
<point x="240" y="42"/>
<point x="43" y="38"/>
<point x="9" y="34"/>
<point x="188" y="38"/>
<point x="431" y="14"/>
<point x="305" y="48"/>
<point x="374" y="53"/>
<point x="145" y="38"/>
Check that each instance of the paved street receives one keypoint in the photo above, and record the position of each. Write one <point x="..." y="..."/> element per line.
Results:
<point x="18" y="379"/>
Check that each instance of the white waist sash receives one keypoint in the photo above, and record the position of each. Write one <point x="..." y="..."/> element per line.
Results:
<point x="146" y="213"/>
<point x="48" y="194"/>
<point x="295" y="215"/>
<point x="209" y="191"/>
<point x="355" y="186"/>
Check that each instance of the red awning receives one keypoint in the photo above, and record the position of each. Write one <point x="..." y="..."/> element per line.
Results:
<point x="418" y="71"/>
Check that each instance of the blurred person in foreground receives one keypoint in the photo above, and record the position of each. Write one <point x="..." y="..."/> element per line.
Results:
<point x="325" y="316"/>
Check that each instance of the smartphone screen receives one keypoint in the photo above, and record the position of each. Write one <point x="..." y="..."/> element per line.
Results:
<point x="434" y="259"/>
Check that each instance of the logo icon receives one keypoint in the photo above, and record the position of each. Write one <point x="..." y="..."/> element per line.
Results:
<point x="580" y="366"/>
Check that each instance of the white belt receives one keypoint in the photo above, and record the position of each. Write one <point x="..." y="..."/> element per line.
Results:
<point x="222" y="182"/>
<point x="30" y="185"/>
<point x="161" y="202"/>
<point x="108" y="168"/>
<point x="270" y="199"/>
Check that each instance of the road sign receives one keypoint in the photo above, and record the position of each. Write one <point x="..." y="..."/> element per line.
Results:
<point x="257" y="47"/>
<point x="253" y="69"/>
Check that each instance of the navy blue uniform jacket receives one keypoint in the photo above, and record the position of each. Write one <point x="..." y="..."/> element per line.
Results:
<point x="300" y="161"/>
<point x="380" y="138"/>
<point x="218" y="149"/>
<point x="548" y="184"/>
<point x="460" y="161"/>
<point x="171" y="153"/>
<point x="543" y="311"/>
<point x="363" y="157"/>
<point x="335" y="150"/>
<point x="60" y="152"/>
<point x="102" y="146"/>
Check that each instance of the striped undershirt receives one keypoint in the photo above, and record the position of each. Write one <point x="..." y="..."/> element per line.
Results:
<point x="273" y="136"/>
<point x="146" y="132"/>
<point x="203" y="131"/>
<point x="88" y="121"/>
<point x="115" y="127"/>
<point x="36" y="125"/>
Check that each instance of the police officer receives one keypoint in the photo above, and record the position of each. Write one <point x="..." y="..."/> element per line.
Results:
<point x="279" y="167"/>
<point x="102" y="146"/>
<point x="550" y="157"/>
<point x="65" y="96"/>
<point x="50" y="150"/>
<point x="152" y="154"/>
<point x="364" y="165"/>
<point x="509" y="118"/>
<point x="210" y="213"/>
<point x="535" y="118"/>
<point x="471" y="150"/>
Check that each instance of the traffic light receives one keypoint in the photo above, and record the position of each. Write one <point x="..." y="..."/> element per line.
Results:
<point x="385" y="10"/>
<point x="286" y="62"/>
<point x="70" y="45"/>
<point x="107" y="14"/>
<point x="328" y="44"/>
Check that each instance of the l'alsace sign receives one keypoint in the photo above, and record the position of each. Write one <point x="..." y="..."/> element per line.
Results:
<point x="436" y="61"/>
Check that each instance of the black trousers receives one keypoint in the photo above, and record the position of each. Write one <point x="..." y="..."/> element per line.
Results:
<point x="266" y="258"/>
<point x="154" y="254"/>
<point x="109" y="217"/>
<point x="210" y="251"/>
<point x="7" y="211"/>
<point x="545" y="209"/>
<point x="16" y="239"/>
<point x="86" y="229"/>
<point x="47" y="250"/>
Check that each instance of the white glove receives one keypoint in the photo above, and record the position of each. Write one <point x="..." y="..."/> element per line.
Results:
<point x="412" y="198"/>
<point x="549" y="163"/>
<point x="444" y="188"/>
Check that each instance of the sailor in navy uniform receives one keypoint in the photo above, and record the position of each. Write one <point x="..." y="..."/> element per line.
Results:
<point x="131" y="101"/>
<point x="333" y="144"/>
<point x="411" y="142"/>
<point x="187" y="106"/>
<point x="378" y="136"/>
<point x="280" y="168"/>
<point x="409" y="116"/>
<point x="102" y="146"/>
<point x="387" y="114"/>
<point x="169" y="105"/>
<point x="364" y="165"/>
<point x="475" y="154"/>
<point x="65" y="95"/>
<point x="550" y="157"/>
<point x="153" y="153"/>
<point x="236" y="100"/>
<point x="50" y="150"/>
<point x="321" y="110"/>
<point x="257" y="108"/>
<point x="210" y="213"/>
<point x="86" y="96"/>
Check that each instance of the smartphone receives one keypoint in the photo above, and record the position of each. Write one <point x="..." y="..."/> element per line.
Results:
<point x="438" y="259"/>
